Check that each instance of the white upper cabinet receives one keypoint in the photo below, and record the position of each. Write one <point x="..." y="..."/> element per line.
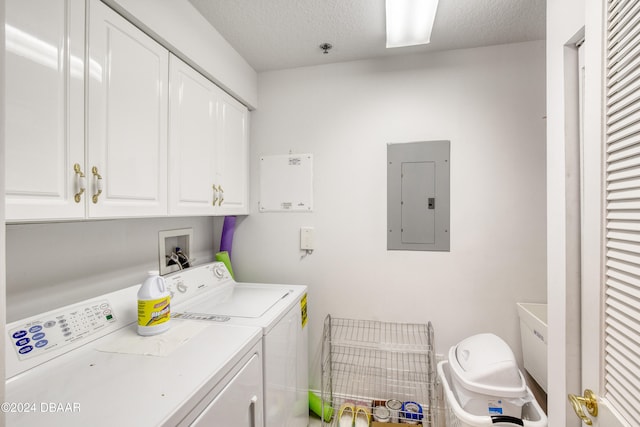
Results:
<point x="193" y="135"/>
<point x="126" y="118"/>
<point x="93" y="132"/>
<point x="233" y="157"/>
<point x="208" y="146"/>
<point x="44" y="109"/>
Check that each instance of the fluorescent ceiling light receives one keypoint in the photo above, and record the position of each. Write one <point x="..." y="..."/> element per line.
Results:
<point x="409" y="22"/>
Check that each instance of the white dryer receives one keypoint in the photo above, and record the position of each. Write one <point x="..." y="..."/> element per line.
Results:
<point x="209" y="293"/>
<point x="84" y="364"/>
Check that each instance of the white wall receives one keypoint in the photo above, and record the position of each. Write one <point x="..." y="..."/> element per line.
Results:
<point x="490" y="102"/>
<point x="54" y="264"/>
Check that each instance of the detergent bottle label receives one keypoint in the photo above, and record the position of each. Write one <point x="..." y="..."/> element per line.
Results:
<point x="154" y="312"/>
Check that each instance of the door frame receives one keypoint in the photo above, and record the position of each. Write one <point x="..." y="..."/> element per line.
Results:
<point x="566" y="24"/>
<point x="593" y="206"/>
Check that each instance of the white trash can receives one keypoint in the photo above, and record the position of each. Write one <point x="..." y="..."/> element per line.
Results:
<point x="485" y="377"/>
<point x="455" y="416"/>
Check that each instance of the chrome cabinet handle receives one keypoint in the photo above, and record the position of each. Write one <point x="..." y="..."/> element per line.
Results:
<point x="81" y="183"/>
<point x="98" y="184"/>
<point x="252" y="410"/>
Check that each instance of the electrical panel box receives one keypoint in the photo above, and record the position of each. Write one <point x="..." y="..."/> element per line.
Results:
<point x="418" y="196"/>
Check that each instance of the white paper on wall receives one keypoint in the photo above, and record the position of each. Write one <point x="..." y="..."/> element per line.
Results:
<point x="286" y="183"/>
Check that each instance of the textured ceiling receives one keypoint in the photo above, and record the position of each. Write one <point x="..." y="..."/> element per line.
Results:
<point x="277" y="34"/>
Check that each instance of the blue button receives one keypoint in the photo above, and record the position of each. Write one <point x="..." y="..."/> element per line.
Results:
<point x="42" y="343"/>
<point x="38" y="336"/>
<point x="22" y="342"/>
<point x="34" y="329"/>
<point x="26" y="349"/>
<point x="19" y="334"/>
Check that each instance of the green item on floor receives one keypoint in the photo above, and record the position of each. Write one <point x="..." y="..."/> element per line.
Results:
<point x="315" y="404"/>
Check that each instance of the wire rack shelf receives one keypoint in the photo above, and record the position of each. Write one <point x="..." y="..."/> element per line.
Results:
<point x="371" y="362"/>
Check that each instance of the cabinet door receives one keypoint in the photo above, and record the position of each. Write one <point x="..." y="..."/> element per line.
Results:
<point x="44" y="108"/>
<point x="193" y="135"/>
<point x="233" y="156"/>
<point x="127" y="118"/>
<point x="240" y="403"/>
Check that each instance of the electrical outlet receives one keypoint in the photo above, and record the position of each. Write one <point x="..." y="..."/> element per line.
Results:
<point x="307" y="240"/>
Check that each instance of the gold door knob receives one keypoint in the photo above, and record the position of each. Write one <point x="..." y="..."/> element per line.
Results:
<point x="589" y="401"/>
<point x="221" y="195"/>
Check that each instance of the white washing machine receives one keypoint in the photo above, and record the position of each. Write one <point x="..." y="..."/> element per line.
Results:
<point x="84" y="364"/>
<point x="209" y="293"/>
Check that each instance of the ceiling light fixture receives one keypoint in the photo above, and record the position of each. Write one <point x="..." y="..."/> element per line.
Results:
<point x="409" y="22"/>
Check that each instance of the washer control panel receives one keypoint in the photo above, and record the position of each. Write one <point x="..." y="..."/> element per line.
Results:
<point x="186" y="284"/>
<point x="59" y="329"/>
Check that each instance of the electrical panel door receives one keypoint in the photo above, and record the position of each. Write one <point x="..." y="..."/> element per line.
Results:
<point x="418" y="196"/>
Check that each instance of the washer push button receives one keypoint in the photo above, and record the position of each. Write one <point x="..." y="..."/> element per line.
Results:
<point x="26" y="349"/>
<point x="22" y="341"/>
<point x="35" y="328"/>
<point x="19" y="334"/>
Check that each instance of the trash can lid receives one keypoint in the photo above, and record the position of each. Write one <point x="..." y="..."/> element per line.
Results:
<point x="484" y="363"/>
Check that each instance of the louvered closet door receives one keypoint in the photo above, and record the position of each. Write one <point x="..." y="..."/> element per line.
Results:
<point x="620" y="349"/>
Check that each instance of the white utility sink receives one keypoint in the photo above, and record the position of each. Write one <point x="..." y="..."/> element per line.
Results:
<point x="533" y="335"/>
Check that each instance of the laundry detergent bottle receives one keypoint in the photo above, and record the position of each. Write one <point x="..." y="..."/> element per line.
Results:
<point x="154" y="310"/>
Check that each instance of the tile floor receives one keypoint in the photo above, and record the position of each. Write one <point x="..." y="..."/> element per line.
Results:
<point x="314" y="421"/>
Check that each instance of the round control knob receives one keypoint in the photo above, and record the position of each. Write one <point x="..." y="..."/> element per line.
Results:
<point x="218" y="272"/>
<point x="182" y="287"/>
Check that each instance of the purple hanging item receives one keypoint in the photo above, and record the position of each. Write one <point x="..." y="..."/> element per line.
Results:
<point x="227" y="234"/>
